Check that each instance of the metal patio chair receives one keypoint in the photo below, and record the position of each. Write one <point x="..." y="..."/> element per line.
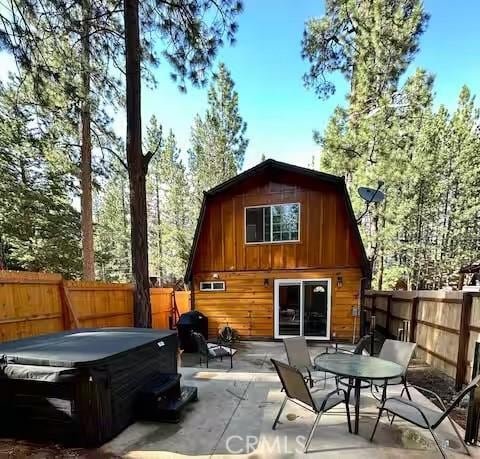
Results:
<point x="210" y="350"/>
<point x="422" y="416"/>
<point x="299" y="357"/>
<point x="297" y="391"/>
<point x="400" y="352"/>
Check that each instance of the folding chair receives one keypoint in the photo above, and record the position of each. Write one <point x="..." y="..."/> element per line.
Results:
<point x="299" y="357"/>
<point x="212" y="350"/>
<point x="297" y="391"/>
<point x="422" y="416"/>
<point x="400" y="352"/>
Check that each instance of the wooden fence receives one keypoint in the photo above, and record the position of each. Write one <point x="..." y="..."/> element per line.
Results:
<point x="445" y="325"/>
<point x="37" y="303"/>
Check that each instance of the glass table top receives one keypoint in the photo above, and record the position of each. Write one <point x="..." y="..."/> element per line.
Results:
<point x="358" y="366"/>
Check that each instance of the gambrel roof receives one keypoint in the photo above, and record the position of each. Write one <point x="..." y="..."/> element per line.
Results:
<point x="272" y="167"/>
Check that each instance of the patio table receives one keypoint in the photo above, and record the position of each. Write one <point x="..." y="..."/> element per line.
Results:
<point x="358" y="368"/>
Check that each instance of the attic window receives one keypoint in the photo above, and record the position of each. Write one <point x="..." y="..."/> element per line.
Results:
<point x="276" y="223"/>
<point x="212" y="286"/>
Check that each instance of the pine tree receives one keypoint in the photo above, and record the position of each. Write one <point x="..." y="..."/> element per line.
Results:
<point x="60" y="49"/>
<point x="370" y="42"/>
<point x="170" y="228"/>
<point x="112" y="230"/>
<point x="38" y="225"/>
<point x="218" y="139"/>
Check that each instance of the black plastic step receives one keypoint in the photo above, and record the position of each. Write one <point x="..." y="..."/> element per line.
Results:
<point x="160" y="385"/>
<point x="168" y="410"/>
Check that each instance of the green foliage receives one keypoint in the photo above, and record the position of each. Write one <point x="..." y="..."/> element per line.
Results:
<point x="170" y="224"/>
<point x="427" y="226"/>
<point x="39" y="228"/>
<point x="112" y="229"/>
<point x="218" y="139"/>
<point x="370" y="42"/>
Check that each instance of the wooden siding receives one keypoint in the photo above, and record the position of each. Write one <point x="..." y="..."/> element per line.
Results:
<point x="247" y="304"/>
<point x="326" y="235"/>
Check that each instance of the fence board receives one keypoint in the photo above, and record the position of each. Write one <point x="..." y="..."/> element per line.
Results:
<point x="39" y="303"/>
<point x="442" y="324"/>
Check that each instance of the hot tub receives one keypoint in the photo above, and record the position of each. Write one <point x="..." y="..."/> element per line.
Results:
<point x="80" y="386"/>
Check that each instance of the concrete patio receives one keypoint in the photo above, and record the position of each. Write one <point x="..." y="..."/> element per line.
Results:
<point x="235" y="412"/>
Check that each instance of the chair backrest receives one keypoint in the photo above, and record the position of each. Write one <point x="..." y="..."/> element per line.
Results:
<point x="400" y="352"/>
<point x="201" y="343"/>
<point x="472" y="386"/>
<point x="293" y="383"/>
<point x="363" y="345"/>
<point x="297" y="352"/>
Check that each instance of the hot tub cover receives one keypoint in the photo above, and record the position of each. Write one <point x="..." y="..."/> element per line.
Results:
<point x="79" y="348"/>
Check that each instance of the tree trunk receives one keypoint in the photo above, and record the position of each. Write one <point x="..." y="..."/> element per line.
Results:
<point x="126" y="248"/>
<point x="159" y="230"/>
<point x="137" y="168"/>
<point x="86" y="152"/>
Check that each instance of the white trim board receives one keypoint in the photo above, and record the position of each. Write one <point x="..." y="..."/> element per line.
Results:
<point x="277" y="283"/>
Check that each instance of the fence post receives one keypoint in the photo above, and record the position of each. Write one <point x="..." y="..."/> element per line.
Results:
<point x="463" y="340"/>
<point x="414" y="318"/>
<point x="387" y="320"/>
<point x="473" y="417"/>
<point x="68" y="311"/>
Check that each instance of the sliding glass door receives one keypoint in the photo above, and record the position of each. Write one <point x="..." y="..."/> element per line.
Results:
<point x="302" y="308"/>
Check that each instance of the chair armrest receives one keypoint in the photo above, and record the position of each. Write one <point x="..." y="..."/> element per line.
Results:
<point x="333" y="392"/>
<point x="406" y="402"/>
<point x="422" y="389"/>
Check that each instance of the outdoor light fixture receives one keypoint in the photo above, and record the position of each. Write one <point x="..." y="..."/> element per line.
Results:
<point x="215" y="275"/>
<point x="339" y="281"/>
<point x="265" y="282"/>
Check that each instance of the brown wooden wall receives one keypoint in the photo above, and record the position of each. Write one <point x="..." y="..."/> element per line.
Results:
<point x="247" y="304"/>
<point x="326" y="236"/>
<point x="327" y="248"/>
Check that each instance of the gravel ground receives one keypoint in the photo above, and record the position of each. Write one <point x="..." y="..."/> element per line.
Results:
<point x="420" y="374"/>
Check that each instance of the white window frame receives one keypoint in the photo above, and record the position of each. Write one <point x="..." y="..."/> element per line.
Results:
<point x="211" y="289"/>
<point x="276" y="307"/>
<point x="271" y="223"/>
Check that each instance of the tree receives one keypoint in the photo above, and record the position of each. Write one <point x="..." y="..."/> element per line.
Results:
<point x="370" y="42"/>
<point x="191" y="32"/>
<point x="43" y="37"/>
<point x="38" y="225"/>
<point x="113" y="219"/>
<point x="169" y="207"/>
<point x="218" y="140"/>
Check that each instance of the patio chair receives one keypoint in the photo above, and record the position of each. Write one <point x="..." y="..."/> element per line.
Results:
<point x="363" y="346"/>
<point x="210" y="350"/>
<point x="299" y="357"/>
<point x="297" y="391"/>
<point x="400" y="352"/>
<point x="422" y="416"/>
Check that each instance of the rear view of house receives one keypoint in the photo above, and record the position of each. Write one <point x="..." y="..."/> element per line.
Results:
<point x="277" y="253"/>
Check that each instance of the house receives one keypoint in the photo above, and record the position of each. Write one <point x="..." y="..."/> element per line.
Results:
<point x="277" y="253"/>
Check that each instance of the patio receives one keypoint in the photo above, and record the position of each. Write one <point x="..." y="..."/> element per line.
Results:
<point x="236" y="408"/>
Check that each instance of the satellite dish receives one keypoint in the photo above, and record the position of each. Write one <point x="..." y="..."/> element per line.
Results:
<point x="371" y="194"/>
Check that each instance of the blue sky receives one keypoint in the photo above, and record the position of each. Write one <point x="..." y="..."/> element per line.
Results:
<point x="267" y="68"/>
